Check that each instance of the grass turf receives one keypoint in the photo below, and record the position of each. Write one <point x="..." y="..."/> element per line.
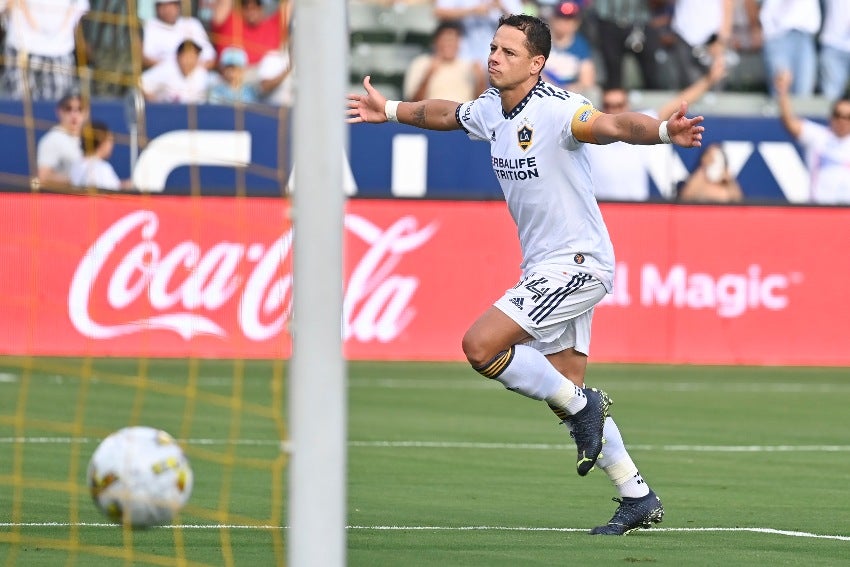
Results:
<point x="444" y="467"/>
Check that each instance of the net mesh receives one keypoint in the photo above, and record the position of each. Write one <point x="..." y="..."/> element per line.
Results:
<point x="58" y="402"/>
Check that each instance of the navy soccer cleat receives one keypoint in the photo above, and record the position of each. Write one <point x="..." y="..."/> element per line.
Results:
<point x="586" y="429"/>
<point x="632" y="514"/>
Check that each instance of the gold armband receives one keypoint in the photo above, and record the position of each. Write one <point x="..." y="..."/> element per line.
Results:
<point x="582" y="123"/>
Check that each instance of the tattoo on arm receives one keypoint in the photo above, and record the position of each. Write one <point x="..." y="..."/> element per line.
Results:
<point x="638" y="131"/>
<point x="419" y="115"/>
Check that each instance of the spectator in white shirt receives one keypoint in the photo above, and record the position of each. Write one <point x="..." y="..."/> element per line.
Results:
<point x="274" y="74"/>
<point x="59" y="148"/>
<point x="826" y="147"/>
<point x="167" y="30"/>
<point x="94" y="169"/>
<point x="39" y="47"/>
<point x="183" y="80"/>
<point x="702" y="33"/>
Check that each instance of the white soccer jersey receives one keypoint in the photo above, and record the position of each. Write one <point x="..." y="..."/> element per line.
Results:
<point x="545" y="176"/>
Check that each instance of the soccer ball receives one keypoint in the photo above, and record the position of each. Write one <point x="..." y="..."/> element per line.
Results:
<point x="139" y="477"/>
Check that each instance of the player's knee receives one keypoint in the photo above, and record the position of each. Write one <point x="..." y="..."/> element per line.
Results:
<point x="484" y="359"/>
<point x="475" y="351"/>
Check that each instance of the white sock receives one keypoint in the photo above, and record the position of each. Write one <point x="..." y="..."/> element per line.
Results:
<point x="529" y="373"/>
<point x="618" y="465"/>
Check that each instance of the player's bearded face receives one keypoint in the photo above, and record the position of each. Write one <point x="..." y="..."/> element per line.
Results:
<point x="510" y="63"/>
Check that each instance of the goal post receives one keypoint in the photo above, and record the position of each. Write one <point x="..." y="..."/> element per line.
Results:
<point x="317" y="390"/>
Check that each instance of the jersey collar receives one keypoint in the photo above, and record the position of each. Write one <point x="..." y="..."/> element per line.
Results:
<point x="518" y="108"/>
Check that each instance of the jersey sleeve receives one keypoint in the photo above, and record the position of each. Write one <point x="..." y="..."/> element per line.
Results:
<point x="470" y="117"/>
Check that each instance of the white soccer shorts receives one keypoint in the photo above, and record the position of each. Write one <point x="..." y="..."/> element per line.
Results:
<point x="555" y="306"/>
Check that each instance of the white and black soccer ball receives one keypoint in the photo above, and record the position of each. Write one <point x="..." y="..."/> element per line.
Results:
<point x="140" y="477"/>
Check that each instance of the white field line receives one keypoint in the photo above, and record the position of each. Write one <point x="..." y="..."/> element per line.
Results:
<point x="477" y="383"/>
<point x="461" y="445"/>
<point x="769" y="531"/>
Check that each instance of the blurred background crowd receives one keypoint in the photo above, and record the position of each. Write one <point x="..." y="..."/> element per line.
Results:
<point x="239" y="52"/>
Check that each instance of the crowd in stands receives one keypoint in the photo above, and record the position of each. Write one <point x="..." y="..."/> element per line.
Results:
<point x="239" y="52"/>
<point x="690" y="47"/>
<point x="241" y="55"/>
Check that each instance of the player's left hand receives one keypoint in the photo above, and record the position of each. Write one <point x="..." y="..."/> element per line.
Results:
<point x="683" y="131"/>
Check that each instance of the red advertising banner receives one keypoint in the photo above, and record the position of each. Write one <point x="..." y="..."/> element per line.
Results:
<point x="123" y="275"/>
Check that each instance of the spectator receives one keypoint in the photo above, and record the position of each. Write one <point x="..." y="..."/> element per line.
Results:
<point x="623" y="27"/>
<point x="233" y="88"/>
<point x="39" y="48"/>
<point x="167" y="30"/>
<point x="274" y="74"/>
<point x="789" y="30"/>
<point x="183" y="80"/>
<point x="711" y="181"/>
<point x="703" y="29"/>
<point x="745" y="48"/>
<point x="441" y="73"/>
<point x="94" y="169"/>
<point x="570" y="64"/>
<point x="479" y="18"/>
<point x="60" y="148"/>
<point x="620" y="171"/>
<point x="827" y="148"/>
<point x="835" y="49"/>
<point x="746" y="26"/>
<point x="247" y="25"/>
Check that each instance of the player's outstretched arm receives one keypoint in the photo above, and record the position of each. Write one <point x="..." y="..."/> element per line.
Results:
<point x="375" y="108"/>
<point x="637" y="128"/>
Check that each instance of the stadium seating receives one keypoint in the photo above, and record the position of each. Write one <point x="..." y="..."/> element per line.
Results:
<point x="385" y="38"/>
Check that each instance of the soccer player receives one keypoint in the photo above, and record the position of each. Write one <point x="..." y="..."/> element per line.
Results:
<point x="535" y="339"/>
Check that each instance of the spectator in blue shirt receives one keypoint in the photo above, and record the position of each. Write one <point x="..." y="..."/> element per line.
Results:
<point x="233" y="88"/>
<point x="570" y="65"/>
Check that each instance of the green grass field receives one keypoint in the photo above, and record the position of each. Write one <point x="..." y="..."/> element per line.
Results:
<point x="445" y="467"/>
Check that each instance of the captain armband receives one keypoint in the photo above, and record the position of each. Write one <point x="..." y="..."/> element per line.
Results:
<point x="582" y="123"/>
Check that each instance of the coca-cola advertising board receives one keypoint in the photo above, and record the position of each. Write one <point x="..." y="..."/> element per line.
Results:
<point x="128" y="275"/>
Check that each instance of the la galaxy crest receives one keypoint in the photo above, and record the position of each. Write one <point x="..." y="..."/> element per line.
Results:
<point x="523" y="135"/>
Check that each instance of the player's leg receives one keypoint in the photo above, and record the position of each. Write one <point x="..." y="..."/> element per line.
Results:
<point x="492" y="346"/>
<point x="539" y="308"/>
<point x="639" y="506"/>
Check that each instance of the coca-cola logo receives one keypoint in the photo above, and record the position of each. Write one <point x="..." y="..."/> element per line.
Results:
<point x="184" y="288"/>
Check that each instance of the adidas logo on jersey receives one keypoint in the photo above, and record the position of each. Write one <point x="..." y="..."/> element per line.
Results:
<point x="518" y="302"/>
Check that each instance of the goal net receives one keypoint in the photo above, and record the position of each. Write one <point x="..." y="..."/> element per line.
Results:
<point x="165" y="303"/>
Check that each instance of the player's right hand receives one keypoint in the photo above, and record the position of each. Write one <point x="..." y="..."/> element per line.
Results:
<point x="368" y="107"/>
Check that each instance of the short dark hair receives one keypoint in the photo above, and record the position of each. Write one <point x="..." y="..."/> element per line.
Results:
<point x="67" y="98"/>
<point x="93" y="135"/>
<point x="447" y="25"/>
<point x="538" y="37"/>
<point x="188" y="44"/>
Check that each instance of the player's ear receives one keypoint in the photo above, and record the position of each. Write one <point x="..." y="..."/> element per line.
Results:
<point x="537" y="63"/>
